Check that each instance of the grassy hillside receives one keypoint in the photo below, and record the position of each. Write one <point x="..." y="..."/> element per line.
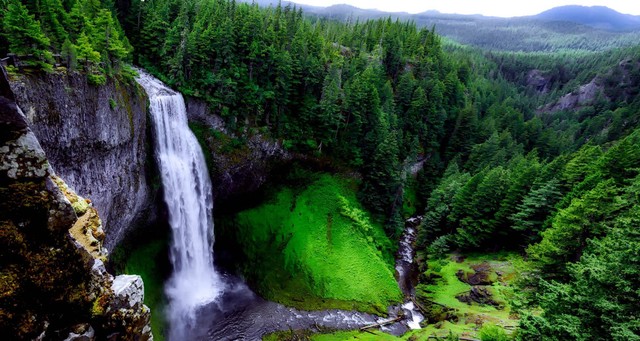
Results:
<point x="314" y="247"/>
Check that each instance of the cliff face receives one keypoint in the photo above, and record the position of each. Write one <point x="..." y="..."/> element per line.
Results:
<point x="96" y="140"/>
<point x="583" y="96"/>
<point x="238" y="166"/>
<point x="53" y="283"/>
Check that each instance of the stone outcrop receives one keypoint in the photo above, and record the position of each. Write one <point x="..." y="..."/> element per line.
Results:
<point x="237" y="166"/>
<point x="96" y="139"/>
<point x="53" y="283"/>
<point x="538" y="81"/>
<point x="482" y="274"/>
<point x="480" y="295"/>
<point x="583" y="96"/>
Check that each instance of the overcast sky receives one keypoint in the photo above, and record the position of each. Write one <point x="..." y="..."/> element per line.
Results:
<point x="500" y="8"/>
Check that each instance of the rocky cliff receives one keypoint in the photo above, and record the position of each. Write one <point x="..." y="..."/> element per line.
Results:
<point x="585" y="95"/>
<point x="237" y="165"/>
<point x="96" y="139"/>
<point x="53" y="283"/>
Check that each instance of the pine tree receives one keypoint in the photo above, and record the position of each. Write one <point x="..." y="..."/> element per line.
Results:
<point x="535" y="208"/>
<point x="478" y="226"/>
<point x="330" y="106"/>
<point x="587" y="217"/>
<point x="86" y="53"/>
<point x="69" y="53"/>
<point x="106" y="39"/>
<point x="25" y="35"/>
<point x="54" y="20"/>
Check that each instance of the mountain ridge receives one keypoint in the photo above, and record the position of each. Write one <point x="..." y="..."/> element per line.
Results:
<point x="601" y="17"/>
<point x="518" y="34"/>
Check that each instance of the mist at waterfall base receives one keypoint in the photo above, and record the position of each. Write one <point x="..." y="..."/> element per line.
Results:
<point x="188" y="196"/>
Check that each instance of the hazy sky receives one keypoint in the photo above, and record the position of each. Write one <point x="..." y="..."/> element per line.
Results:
<point x="500" y="8"/>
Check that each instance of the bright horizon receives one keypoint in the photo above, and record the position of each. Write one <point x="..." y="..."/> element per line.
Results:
<point x="498" y="8"/>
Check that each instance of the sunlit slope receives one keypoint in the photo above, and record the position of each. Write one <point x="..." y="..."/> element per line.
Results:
<point x="315" y="247"/>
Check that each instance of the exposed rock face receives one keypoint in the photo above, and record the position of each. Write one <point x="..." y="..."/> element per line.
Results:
<point x="537" y="80"/>
<point x="96" y="140"/>
<point x="53" y="284"/>
<point x="479" y="294"/>
<point x="482" y="274"/>
<point x="235" y="168"/>
<point x="585" y="95"/>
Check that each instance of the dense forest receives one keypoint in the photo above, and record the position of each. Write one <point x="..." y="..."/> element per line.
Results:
<point x="506" y="166"/>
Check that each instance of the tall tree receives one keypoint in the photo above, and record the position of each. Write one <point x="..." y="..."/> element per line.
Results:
<point x="25" y="35"/>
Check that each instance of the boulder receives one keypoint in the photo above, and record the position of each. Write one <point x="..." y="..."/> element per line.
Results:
<point x="480" y="295"/>
<point x="482" y="274"/>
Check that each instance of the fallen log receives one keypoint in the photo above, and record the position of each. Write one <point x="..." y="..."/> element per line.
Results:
<point x="418" y="305"/>
<point x="383" y="323"/>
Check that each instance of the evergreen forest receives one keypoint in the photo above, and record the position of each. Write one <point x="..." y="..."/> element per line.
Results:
<point x="523" y="156"/>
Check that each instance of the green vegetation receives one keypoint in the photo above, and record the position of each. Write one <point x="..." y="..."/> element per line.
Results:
<point x="494" y="274"/>
<point x="295" y="241"/>
<point x="471" y="320"/>
<point x="81" y="34"/>
<point x="529" y="34"/>
<point x="315" y="85"/>
<point x="532" y="153"/>
<point x="147" y="261"/>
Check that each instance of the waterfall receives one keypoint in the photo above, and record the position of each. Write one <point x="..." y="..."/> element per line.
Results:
<point x="188" y="195"/>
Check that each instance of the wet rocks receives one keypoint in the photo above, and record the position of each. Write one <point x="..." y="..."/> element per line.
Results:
<point x="537" y="80"/>
<point x="81" y="332"/>
<point x="128" y="291"/>
<point x="238" y="165"/>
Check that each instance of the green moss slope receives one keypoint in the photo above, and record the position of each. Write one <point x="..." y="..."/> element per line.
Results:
<point x="316" y="248"/>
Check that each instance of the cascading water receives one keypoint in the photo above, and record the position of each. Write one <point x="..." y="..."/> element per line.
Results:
<point x="188" y="195"/>
<point x="406" y="269"/>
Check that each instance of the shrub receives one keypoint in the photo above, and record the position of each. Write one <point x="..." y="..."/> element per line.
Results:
<point x="491" y="332"/>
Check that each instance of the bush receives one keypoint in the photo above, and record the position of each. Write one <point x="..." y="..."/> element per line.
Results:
<point x="491" y="332"/>
<point x="96" y="79"/>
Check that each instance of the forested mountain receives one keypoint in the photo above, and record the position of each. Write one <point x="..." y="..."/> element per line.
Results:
<point x="532" y="153"/>
<point x="571" y="29"/>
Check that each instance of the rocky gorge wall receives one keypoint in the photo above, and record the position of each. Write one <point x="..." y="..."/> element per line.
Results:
<point x="53" y="282"/>
<point x="238" y="166"/>
<point x="96" y="140"/>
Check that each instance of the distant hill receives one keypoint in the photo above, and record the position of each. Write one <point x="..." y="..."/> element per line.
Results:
<point x="549" y="31"/>
<point x="596" y="16"/>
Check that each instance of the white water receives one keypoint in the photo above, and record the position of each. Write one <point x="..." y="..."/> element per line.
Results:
<point x="416" y="317"/>
<point x="404" y="264"/>
<point x="188" y="195"/>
